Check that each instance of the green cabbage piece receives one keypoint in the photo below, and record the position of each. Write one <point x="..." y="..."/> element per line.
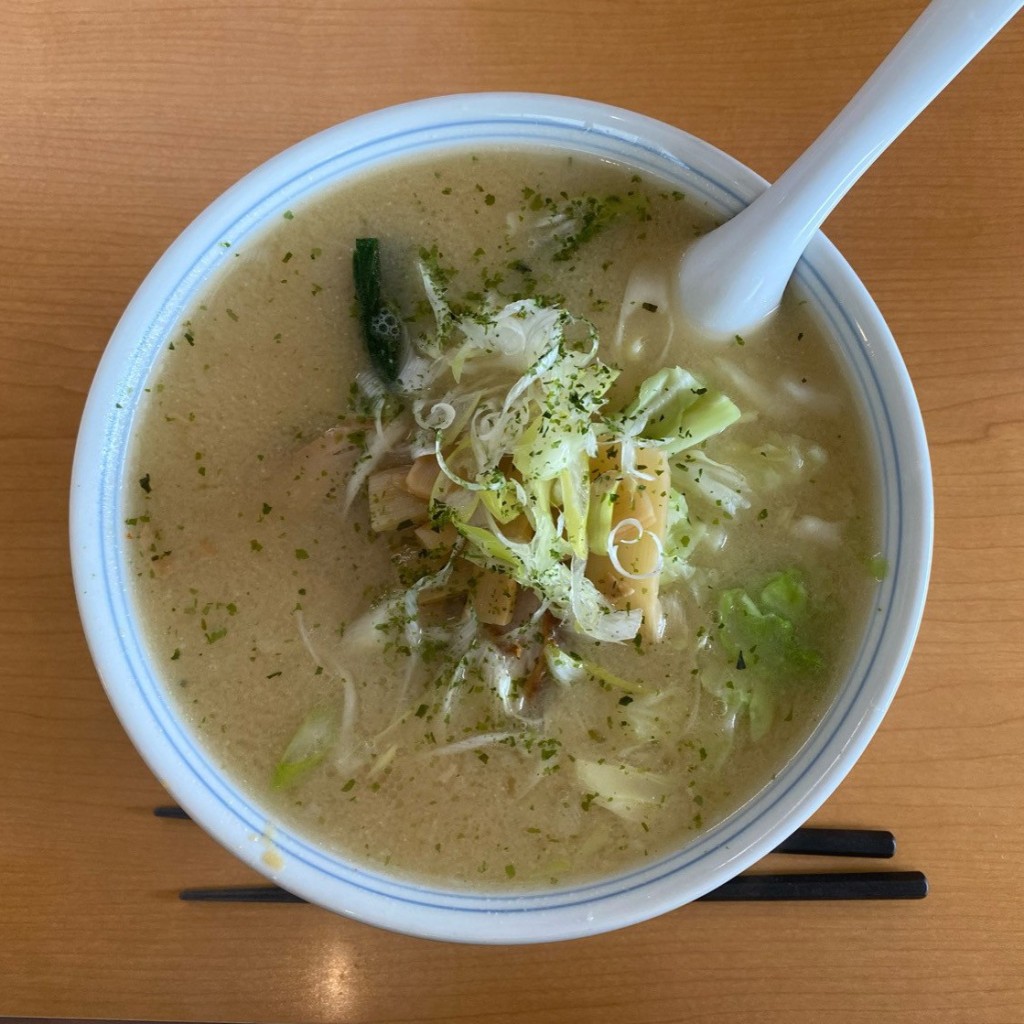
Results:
<point x="307" y="748"/>
<point x="717" y="484"/>
<point x="681" y="536"/>
<point x="569" y="667"/>
<point x="621" y="788"/>
<point x="674" y="408"/>
<point x="764" y="639"/>
<point x="763" y="633"/>
<point x="496" y="554"/>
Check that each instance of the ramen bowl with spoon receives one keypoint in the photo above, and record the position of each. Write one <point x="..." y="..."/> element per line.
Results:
<point x="547" y="619"/>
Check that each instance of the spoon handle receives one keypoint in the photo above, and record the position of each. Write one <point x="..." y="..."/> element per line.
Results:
<point x="734" y="277"/>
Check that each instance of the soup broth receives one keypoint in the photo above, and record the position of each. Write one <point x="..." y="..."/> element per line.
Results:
<point x="331" y="648"/>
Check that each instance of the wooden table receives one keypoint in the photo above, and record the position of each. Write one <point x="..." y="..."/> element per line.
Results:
<point x="119" y="122"/>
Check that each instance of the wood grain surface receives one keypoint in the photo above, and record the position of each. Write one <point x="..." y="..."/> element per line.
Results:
<point x="119" y="121"/>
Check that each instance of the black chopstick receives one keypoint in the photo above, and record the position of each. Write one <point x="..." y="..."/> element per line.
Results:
<point x="863" y="885"/>
<point x="821" y="842"/>
<point x="241" y="894"/>
<point x="847" y="885"/>
<point x="172" y="811"/>
<point x="840" y="842"/>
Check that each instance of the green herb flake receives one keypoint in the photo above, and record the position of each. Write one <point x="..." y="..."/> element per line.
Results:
<point x="349" y="786"/>
<point x="232" y="314"/>
<point x="177" y="654"/>
<point x="145" y="484"/>
<point x="301" y="554"/>
<point x="288" y="215"/>
<point x="255" y="545"/>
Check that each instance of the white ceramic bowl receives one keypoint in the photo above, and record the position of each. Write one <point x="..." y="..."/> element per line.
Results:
<point x="865" y="347"/>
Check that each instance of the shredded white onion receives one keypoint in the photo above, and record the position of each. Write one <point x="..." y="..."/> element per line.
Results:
<point x="593" y="614"/>
<point x="613" y="549"/>
<point x="539" y="368"/>
<point x="370" y="384"/>
<point x="483" y="430"/>
<point x="413" y="630"/>
<point x="486" y="739"/>
<point x="628" y="456"/>
<point x="456" y="679"/>
<point x="417" y="373"/>
<point x="350" y="700"/>
<point x="648" y="285"/>
<point x="440" y="416"/>
<point x="469" y="485"/>
<point x="350" y="708"/>
<point x="382" y="443"/>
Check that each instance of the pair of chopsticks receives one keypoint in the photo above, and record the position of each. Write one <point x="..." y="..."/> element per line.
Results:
<point x="845" y="885"/>
<point x="820" y="842"/>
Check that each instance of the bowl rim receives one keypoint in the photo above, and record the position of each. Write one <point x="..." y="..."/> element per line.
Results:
<point x="104" y="602"/>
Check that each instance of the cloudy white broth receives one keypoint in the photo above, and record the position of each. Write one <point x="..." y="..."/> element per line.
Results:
<point x="460" y="558"/>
